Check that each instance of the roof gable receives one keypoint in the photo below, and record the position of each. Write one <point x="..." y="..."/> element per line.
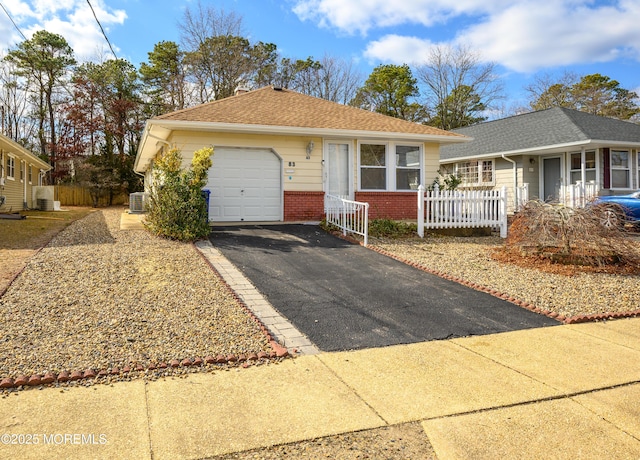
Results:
<point x="279" y="107"/>
<point x="542" y="129"/>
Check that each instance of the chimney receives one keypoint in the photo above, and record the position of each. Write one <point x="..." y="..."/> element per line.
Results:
<point x="241" y="90"/>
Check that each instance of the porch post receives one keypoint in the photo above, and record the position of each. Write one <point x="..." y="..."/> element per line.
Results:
<point x="421" y="211"/>
<point x="583" y="165"/>
<point x="503" y="212"/>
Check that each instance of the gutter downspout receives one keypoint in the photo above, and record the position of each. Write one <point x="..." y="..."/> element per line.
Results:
<point x="515" y="180"/>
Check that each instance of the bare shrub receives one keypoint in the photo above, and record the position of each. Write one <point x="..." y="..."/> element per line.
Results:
<point x="577" y="236"/>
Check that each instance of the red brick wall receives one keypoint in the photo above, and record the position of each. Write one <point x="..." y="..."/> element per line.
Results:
<point x="303" y="206"/>
<point x="390" y="205"/>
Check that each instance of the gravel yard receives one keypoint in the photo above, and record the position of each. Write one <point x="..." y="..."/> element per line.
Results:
<point x="100" y="298"/>
<point x="579" y="294"/>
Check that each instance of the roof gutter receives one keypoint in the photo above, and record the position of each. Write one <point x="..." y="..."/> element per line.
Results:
<point x="304" y="131"/>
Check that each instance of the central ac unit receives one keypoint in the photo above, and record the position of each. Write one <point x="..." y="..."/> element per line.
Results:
<point x="137" y="202"/>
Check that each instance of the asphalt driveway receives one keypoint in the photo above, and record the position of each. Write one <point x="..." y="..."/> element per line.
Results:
<point x="344" y="296"/>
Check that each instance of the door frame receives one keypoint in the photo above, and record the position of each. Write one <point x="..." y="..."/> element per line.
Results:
<point x="326" y="165"/>
<point x="561" y="157"/>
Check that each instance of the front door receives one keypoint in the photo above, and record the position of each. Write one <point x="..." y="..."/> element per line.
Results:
<point x="552" y="178"/>
<point x="337" y="175"/>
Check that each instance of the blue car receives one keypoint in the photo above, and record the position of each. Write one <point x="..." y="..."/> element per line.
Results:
<point x="620" y="209"/>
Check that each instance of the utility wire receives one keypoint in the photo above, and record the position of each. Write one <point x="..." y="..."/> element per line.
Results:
<point x="103" y="32"/>
<point x="13" y="22"/>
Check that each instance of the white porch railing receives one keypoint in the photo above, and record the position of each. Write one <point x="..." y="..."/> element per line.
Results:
<point x="578" y="195"/>
<point x="349" y="216"/>
<point x="462" y="209"/>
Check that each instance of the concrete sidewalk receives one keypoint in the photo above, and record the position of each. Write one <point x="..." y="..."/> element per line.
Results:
<point x="561" y="392"/>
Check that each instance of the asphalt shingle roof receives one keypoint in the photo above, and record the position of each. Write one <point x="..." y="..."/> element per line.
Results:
<point x="545" y="128"/>
<point x="270" y="106"/>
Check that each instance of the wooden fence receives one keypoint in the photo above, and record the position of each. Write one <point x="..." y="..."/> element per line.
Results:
<point x="71" y="195"/>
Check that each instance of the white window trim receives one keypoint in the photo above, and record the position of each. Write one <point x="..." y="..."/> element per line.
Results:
<point x="30" y="174"/>
<point x="584" y="160"/>
<point x="390" y="164"/>
<point x="480" y="182"/>
<point x="11" y="159"/>
<point x="628" y="169"/>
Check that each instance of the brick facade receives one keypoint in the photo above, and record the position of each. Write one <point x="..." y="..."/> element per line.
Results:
<point x="390" y="205"/>
<point x="303" y="206"/>
<point x="309" y="206"/>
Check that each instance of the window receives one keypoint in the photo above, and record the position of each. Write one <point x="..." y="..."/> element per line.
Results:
<point x="11" y="167"/>
<point x="390" y="166"/>
<point x="590" y="166"/>
<point x="620" y="169"/>
<point x="476" y="173"/>
<point x="30" y="174"/>
<point x="407" y="167"/>
<point x="22" y="166"/>
<point x="373" y="169"/>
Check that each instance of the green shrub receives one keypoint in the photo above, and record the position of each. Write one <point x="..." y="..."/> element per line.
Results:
<point x="177" y="208"/>
<point x="387" y="228"/>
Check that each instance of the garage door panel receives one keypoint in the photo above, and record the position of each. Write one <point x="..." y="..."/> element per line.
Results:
<point x="246" y="185"/>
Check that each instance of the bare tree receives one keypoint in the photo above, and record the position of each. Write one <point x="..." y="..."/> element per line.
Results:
<point x="202" y="22"/>
<point x="546" y="90"/>
<point x="337" y="80"/>
<point x="15" y="108"/>
<point x="457" y="86"/>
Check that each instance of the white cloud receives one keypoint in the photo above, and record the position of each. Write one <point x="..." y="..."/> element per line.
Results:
<point x="530" y="36"/>
<point x="521" y="35"/>
<point x="73" y="19"/>
<point x="397" y="49"/>
<point x="351" y="16"/>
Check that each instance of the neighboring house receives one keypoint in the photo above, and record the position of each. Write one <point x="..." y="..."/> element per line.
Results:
<point x="278" y="152"/>
<point x="560" y="153"/>
<point x="20" y="171"/>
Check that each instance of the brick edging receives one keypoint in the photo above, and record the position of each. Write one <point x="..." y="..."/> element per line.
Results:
<point x="279" y="350"/>
<point x="507" y="297"/>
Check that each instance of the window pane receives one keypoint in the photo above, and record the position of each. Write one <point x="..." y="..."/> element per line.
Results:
<point x="407" y="156"/>
<point x="487" y="171"/>
<point x="590" y="159"/>
<point x="575" y="160"/>
<point x="372" y="155"/>
<point x="619" y="159"/>
<point x="373" y="178"/>
<point x="407" y="179"/>
<point x="619" y="178"/>
<point x="575" y="176"/>
<point x="591" y="176"/>
<point x="468" y="172"/>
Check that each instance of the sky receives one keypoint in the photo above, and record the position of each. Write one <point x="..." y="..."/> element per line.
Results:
<point x="524" y="38"/>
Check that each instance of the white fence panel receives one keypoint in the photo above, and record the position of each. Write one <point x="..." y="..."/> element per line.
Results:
<point x="522" y="196"/>
<point x="349" y="216"/>
<point x="462" y="209"/>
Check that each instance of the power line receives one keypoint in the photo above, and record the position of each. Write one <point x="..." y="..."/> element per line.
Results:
<point x="103" y="32"/>
<point x="12" y="21"/>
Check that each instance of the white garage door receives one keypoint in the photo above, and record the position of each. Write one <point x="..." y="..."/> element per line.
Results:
<point x="245" y="185"/>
